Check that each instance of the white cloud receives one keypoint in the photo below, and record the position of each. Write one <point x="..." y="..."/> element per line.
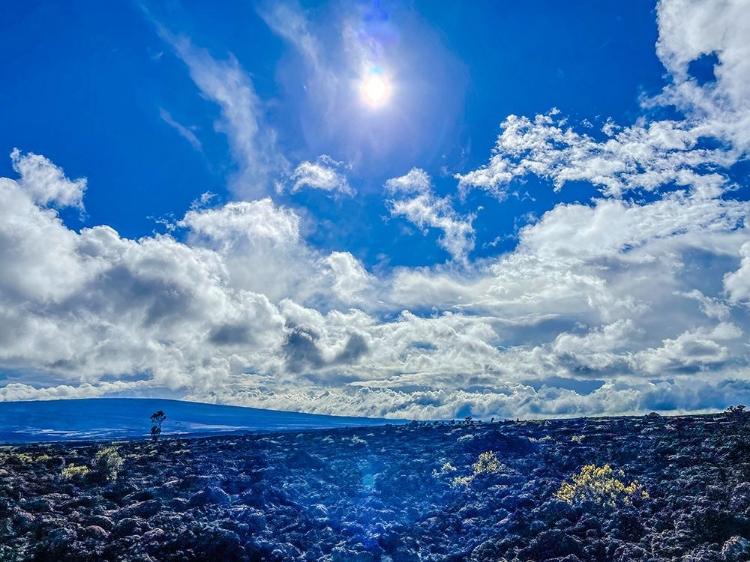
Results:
<point x="612" y="226"/>
<point x="597" y="349"/>
<point x="45" y="183"/>
<point x="13" y="392"/>
<point x="699" y="348"/>
<point x="505" y="401"/>
<point x="689" y="29"/>
<point x="415" y="181"/>
<point x="251" y="139"/>
<point x="352" y="283"/>
<point x="640" y="157"/>
<point x="322" y="174"/>
<point x="647" y="155"/>
<point x="426" y="210"/>
<point x="184" y="132"/>
<point x="617" y="307"/>
<point x="737" y="283"/>
<point x="711" y="307"/>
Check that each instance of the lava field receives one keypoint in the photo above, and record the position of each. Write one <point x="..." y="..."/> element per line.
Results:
<point x="668" y="488"/>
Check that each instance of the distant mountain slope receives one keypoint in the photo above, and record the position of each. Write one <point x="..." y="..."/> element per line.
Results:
<point x="117" y="418"/>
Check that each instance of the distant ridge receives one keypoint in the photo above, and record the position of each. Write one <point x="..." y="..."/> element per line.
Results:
<point x="121" y="418"/>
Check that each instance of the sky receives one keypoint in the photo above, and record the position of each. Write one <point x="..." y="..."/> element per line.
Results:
<point x="420" y="210"/>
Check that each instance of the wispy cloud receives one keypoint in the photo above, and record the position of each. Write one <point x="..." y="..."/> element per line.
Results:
<point x="251" y="138"/>
<point x="184" y="132"/>
<point x="288" y="20"/>
<point x="334" y="48"/>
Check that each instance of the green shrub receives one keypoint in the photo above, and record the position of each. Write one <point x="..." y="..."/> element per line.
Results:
<point x="72" y="471"/>
<point x="600" y="485"/>
<point x="487" y="463"/>
<point x="108" y="462"/>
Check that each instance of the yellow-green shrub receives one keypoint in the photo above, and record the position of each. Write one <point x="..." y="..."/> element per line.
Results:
<point x="487" y="463"/>
<point x="108" y="462"/>
<point x="72" y="471"/>
<point x="600" y="485"/>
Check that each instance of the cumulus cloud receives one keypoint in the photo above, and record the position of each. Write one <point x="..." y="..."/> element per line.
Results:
<point x="648" y="154"/>
<point x="737" y="283"/>
<point x="426" y="210"/>
<point x="688" y="30"/>
<point x="240" y="309"/>
<point x="415" y="181"/>
<point x="14" y="392"/>
<point x="623" y="305"/>
<point x="45" y="182"/>
<point x="323" y="174"/>
<point x="693" y="349"/>
<point x="352" y="284"/>
<point x="644" y="156"/>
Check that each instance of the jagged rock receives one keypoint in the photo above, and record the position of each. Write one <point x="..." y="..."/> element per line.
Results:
<point x="94" y="532"/>
<point x="142" y="509"/>
<point x="102" y="521"/>
<point x="38" y="505"/>
<point x="127" y="527"/>
<point x="736" y="549"/>
<point x="552" y="544"/>
<point x="500" y="443"/>
<point x="209" y="496"/>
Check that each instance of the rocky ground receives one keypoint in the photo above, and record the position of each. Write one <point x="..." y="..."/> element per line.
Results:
<point x="394" y="493"/>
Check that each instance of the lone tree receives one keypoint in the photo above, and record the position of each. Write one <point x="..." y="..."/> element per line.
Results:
<point x="157" y="418"/>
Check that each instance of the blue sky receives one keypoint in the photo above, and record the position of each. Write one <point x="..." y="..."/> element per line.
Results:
<point x="391" y="209"/>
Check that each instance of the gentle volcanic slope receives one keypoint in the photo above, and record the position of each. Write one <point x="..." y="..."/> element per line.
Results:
<point x="117" y="418"/>
<point x="408" y="493"/>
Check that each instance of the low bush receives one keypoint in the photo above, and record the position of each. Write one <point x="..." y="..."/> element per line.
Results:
<point x="600" y="485"/>
<point x="487" y="463"/>
<point x="72" y="471"/>
<point x="108" y="462"/>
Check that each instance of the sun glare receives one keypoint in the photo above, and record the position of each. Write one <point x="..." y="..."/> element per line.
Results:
<point x="375" y="90"/>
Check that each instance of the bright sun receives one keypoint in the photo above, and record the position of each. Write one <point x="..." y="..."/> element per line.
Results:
<point x="375" y="90"/>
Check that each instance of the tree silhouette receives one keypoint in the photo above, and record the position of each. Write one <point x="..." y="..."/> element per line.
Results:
<point x="157" y="418"/>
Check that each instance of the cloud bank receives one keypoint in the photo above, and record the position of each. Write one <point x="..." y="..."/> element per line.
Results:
<point x="635" y="301"/>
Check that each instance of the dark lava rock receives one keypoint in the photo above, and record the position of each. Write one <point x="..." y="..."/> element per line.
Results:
<point x="736" y="549"/>
<point x="209" y="496"/>
<point x="552" y="544"/>
<point x="499" y="443"/>
<point x="142" y="510"/>
<point x="390" y="494"/>
<point x="127" y="527"/>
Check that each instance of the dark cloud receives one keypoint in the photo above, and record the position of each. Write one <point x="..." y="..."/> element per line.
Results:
<point x="230" y="334"/>
<point x="356" y="348"/>
<point x="300" y="350"/>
